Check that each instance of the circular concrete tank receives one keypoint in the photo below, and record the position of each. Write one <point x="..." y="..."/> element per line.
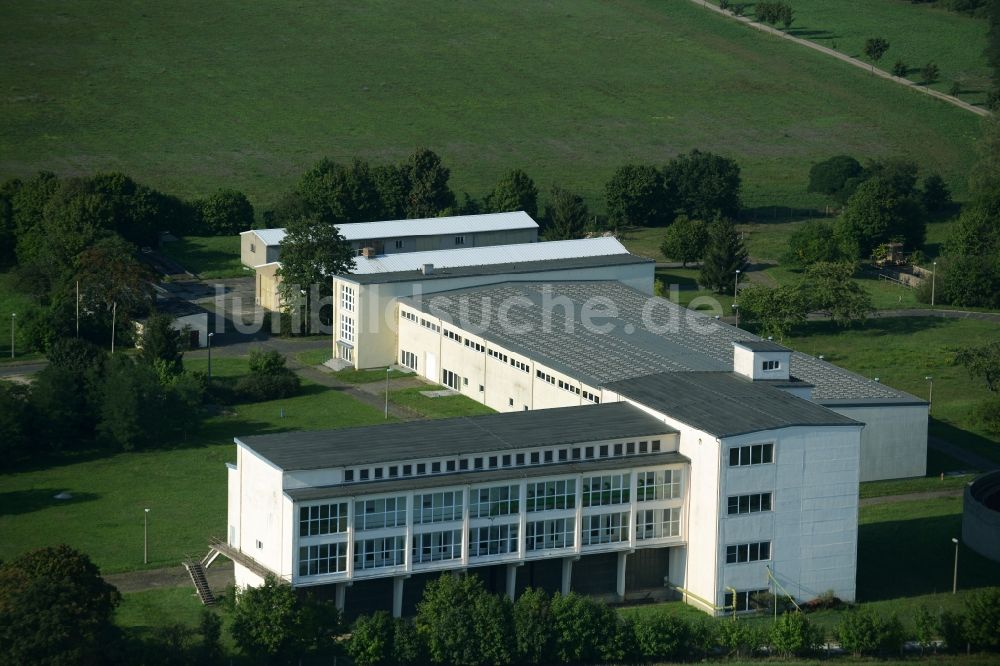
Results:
<point x="981" y="516"/>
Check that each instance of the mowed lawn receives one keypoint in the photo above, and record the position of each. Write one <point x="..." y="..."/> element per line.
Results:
<point x="184" y="487"/>
<point x="207" y="256"/>
<point x="901" y="352"/>
<point x="917" y="34"/>
<point x="190" y="97"/>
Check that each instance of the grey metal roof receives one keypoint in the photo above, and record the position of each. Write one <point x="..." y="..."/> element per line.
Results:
<point x="761" y="346"/>
<point x="518" y="267"/>
<point x="724" y="404"/>
<point x="452" y="437"/>
<point x="647" y="335"/>
<point x="482" y="476"/>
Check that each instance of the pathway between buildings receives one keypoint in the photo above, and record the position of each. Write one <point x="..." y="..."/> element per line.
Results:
<point x="971" y="458"/>
<point x="845" y="58"/>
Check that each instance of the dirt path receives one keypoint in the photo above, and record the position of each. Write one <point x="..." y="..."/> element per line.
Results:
<point x="219" y="575"/>
<point x="845" y="58"/>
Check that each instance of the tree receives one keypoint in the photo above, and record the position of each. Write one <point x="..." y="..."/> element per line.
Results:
<point x="8" y="227"/>
<point x="703" y="186"/>
<point x="134" y="406"/>
<point x="514" y="191"/>
<point x="663" y="637"/>
<point x="113" y="283"/>
<point x="982" y="362"/>
<point x="829" y="287"/>
<point x="925" y="627"/>
<point x="269" y="379"/>
<point x="875" y="48"/>
<point x="635" y="197"/>
<point x="15" y="424"/>
<point x="865" y="632"/>
<point x="393" y="186"/>
<point x="812" y="242"/>
<point x="583" y="628"/>
<point x="934" y="193"/>
<point x="407" y="648"/>
<point x="930" y="73"/>
<point x="724" y="255"/>
<point x="160" y="345"/>
<point x="66" y="395"/>
<point x="836" y="177"/>
<point x="338" y="194"/>
<point x="225" y="213"/>
<point x="982" y="619"/>
<point x="793" y="635"/>
<point x="461" y="625"/>
<point x="900" y="69"/>
<point x="685" y="239"/>
<point x="776" y="310"/>
<point x="566" y="216"/>
<point x="371" y="642"/>
<point x="272" y="622"/>
<point x="210" y="628"/>
<point x="312" y="251"/>
<point x="970" y="269"/>
<point x="533" y="632"/>
<point x="55" y="608"/>
<point x="429" y="193"/>
<point x="876" y="213"/>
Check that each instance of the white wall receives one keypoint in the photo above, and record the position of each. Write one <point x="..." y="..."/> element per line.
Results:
<point x="263" y="512"/>
<point x="894" y="441"/>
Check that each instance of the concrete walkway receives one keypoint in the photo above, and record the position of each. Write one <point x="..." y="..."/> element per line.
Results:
<point x="860" y="64"/>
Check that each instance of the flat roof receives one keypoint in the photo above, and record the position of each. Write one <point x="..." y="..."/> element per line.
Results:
<point x="725" y="404"/>
<point x="453" y="437"/>
<point x="761" y="346"/>
<point x="640" y="335"/>
<point x="430" y="226"/>
<point x="489" y="255"/>
<point x="483" y="476"/>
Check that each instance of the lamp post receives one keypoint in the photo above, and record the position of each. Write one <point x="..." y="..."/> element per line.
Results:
<point x="13" y="318"/>
<point x="930" y="393"/>
<point x="933" y="282"/>
<point x="387" y="370"/>
<point x="736" y="284"/>
<point x="145" y="536"/>
<point x="210" y="356"/>
<point x="736" y="310"/>
<point x="954" y="577"/>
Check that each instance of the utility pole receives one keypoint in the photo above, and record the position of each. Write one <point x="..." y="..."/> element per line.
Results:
<point x="954" y="577"/>
<point x="387" y="369"/>
<point x="13" y="318"/>
<point x="114" y="315"/>
<point x="145" y="536"/>
<point x="933" y="283"/>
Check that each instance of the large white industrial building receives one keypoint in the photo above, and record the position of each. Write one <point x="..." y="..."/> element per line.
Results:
<point x="639" y="445"/>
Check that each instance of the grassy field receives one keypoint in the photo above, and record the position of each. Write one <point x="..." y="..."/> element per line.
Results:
<point x="904" y="486"/>
<point x="917" y="34"/>
<point x="369" y="376"/>
<point x="437" y="408"/>
<point x="208" y="256"/>
<point x="901" y="352"/>
<point x="190" y="97"/>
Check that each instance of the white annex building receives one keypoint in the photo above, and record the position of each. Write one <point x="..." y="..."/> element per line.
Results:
<point x="639" y="447"/>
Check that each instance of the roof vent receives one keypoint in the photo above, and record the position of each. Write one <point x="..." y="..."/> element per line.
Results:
<point x="427" y="269"/>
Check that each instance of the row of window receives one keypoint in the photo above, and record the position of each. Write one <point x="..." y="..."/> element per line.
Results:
<point x="430" y="325"/>
<point x="451" y="379"/>
<point x="406" y="314"/>
<point x="347" y="328"/>
<point x="500" y="356"/>
<point x="748" y="552"/>
<point x="472" y="344"/>
<point x="487" y="540"/>
<point x="752" y="503"/>
<point x="754" y="454"/>
<point x="770" y="365"/>
<point x="545" y="457"/>
<point x="452" y="335"/>
<point x="592" y="397"/>
<point x="744" y="600"/>
<point x="347" y="298"/>
<point x="520" y="365"/>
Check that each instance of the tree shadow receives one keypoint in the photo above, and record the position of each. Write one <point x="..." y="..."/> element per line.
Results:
<point x="875" y="325"/>
<point x="809" y="33"/>
<point x="17" y="502"/>
<point x="778" y="214"/>
<point x="683" y="282"/>
<point x="912" y="557"/>
<point x="975" y="443"/>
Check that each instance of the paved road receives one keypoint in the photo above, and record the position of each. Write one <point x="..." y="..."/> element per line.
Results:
<point x="847" y="59"/>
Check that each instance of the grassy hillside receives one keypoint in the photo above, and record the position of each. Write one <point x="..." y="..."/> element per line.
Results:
<point x="192" y="96"/>
<point x="917" y="34"/>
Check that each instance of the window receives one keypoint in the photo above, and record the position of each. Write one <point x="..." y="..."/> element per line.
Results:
<point x="400" y="245"/>
<point x="519" y="459"/>
<point x="451" y="380"/>
<point x="592" y="397"/>
<point x="406" y="314"/>
<point x="551" y="495"/>
<point x="506" y="460"/>
<point x="546" y="377"/>
<point x="619" y="449"/>
<point x="408" y="360"/>
<point x="576" y="453"/>
<point x="492" y="540"/>
<point x="260" y="544"/>
<point x="519" y="365"/>
<point x="643" y="447"/>
<point x="421" y="468"/>
<point x="603" y="451"/>
<point x="325" y="558"/>
<point x="377" y="553"/>
<point x="744" y="600"/>
<point x="364" y="474"/>
<point x="655" y="446"/>
<point x="479" y="463"/>
<point x="348" y="475"/>
<point x="437" y="507"/>
<point x="459" y="240"/>
<point x="657" y="523"/>
<point x="543" y="534"/>
<point x="474" y="345"/>
<point x="588" y="453"/>
<point x="493" y="462"/>
<point x="748" y="552"/>
<point x="451" y="335"/>
<point x="605" y="490"/>
<point x="437" y="546"/>
<point x="450" y="465"/>
<point x="322" y="519"/>
<point x="463" y="464"/>
<point x="630" y="448"/>
<point x="500" y="356"/>
<point x="436" y="467"/>
<point x="347" y="298"/>
<point x="346" y="328"/>
<point x="253" y="248"/>
<point x="548" y="456"/>
<point x="407" y="470"/>
<point x="510" y="402"/>
<point x="563" y="455"/>
<point x="605" y="528"/>
<point x="378" y="513"/>
<point x="754" y="503"/>
<point x="393" y="471"/>
<point x="429" y="325"/>
<point x="535" y="458"/>
<point x="771" y="365"/>
<point x="659" y="485"/>
<point x="378" y="472"/>
<point x="755" y="454"/>
<point x="495" y="501"/>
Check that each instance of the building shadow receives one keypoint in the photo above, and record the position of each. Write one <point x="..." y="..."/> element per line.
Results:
<point x="17" y="502"/>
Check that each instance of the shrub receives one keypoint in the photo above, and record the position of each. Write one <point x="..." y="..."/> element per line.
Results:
<point x="260" y="388"/>
<point x="741" y="639"/>
<point x="925" y="627"/>
<point x="864" y="632"/>
<point x="533" y="631"/>
<point x="982" y="619"/>
<point x="583" y="627"/>
<point x="407" y="648"/>
<point x="269" y="362"/>
<point x="663" y="637"/>
<point x="793" y="635"/>
<point x="951" y="626"/>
